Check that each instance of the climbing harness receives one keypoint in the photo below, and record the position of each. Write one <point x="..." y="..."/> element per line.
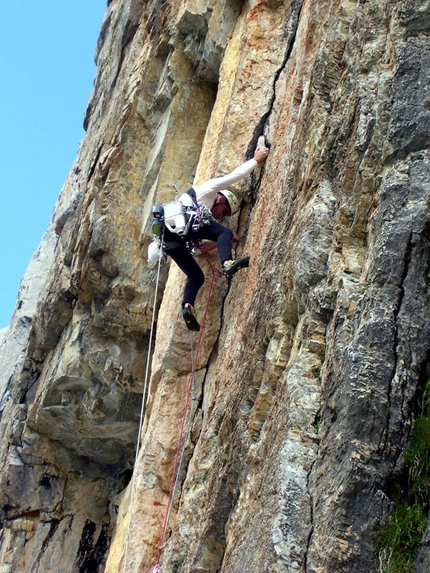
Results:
<point x="201" y="216"/>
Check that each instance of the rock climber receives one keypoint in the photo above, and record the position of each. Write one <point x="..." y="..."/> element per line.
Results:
<point x="213" y="202"/>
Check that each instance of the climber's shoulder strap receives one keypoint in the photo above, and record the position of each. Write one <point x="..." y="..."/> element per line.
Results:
<point x="192" y="193"/>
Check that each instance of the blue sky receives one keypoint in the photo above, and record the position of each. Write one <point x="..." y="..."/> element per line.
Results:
<point x="47" y="68"/>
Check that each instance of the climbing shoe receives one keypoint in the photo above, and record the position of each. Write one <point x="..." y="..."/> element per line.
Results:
<point x="190" y="319"/>
<point x="232" y="267"/>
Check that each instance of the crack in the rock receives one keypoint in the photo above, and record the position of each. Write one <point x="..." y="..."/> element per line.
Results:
<point x="311" y="511"/>
<point x="407" y="260"/>
<point x="293" y="20"/>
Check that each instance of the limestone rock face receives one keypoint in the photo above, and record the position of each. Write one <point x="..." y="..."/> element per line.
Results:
<point x="302" y="399"/>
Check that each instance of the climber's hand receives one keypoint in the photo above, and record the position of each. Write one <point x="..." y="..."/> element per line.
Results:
<point x="261" y="154"/>
<point x="235" y="240"/>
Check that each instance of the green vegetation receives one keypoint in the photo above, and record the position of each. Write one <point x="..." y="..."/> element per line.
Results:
<point x="399" y="540"/>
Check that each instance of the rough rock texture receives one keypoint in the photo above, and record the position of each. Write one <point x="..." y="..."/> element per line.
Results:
<point x="310" y="360"/>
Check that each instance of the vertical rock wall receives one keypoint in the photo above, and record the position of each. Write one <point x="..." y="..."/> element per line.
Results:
<point x="310" y="359"/>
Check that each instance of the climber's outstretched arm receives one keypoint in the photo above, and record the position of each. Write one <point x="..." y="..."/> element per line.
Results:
<point x="206" y="193"/>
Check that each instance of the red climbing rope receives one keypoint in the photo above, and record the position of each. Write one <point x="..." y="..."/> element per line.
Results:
<point x="181" y="441"/>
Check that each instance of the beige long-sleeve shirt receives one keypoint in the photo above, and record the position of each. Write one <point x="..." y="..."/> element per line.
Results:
<point x="207" y="191"/>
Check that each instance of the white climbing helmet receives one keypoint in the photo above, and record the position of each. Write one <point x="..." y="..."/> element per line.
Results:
<point x="232" y="200"/>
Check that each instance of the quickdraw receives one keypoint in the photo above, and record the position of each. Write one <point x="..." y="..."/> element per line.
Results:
<point x="201" y="216"/>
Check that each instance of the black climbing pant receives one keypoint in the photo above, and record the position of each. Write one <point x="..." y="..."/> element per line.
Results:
<point x="175" y="247"/>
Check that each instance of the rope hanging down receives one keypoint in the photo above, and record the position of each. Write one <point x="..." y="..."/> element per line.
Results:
<point x="182" y="442"/>
<point x="180" y="451"/>
<point x="143" y="408"/>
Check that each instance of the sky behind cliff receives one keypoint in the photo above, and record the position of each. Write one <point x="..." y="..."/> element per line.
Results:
<point x="47" y="62"/>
